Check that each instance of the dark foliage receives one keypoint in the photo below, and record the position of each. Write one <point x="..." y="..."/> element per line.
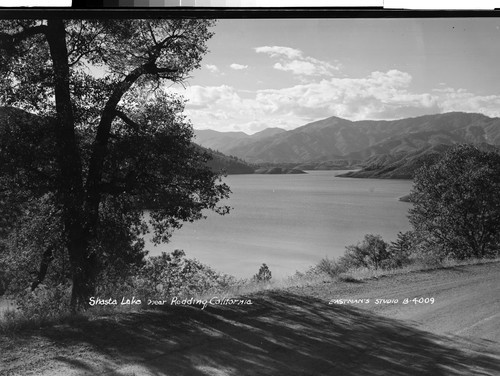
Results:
<point x="457" y="203"/>
<point x="103" y="145"/>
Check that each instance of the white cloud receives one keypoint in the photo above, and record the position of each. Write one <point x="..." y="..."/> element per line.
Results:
<point x="464" y="101"/>
<point x="278" y="51"/>
<point x="238" y="66"/>
<point x="293" y="60"/>
<point x="379" y="95"/>
<point x="212" y="68"/>
<point x="203" y="97"/>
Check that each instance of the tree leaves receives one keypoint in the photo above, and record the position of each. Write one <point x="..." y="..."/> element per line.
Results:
<point x="457" y="202"/>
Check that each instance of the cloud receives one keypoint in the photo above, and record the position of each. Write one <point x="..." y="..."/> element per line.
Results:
<point x="203" y="97"/>
<point x="293" y="60"/>
<point x="278" y="51"/>
<point x="465" y="101"/>
<point x="212" y="68"/>
<point x="379" y="95"/>
<point x="238" y="66"/>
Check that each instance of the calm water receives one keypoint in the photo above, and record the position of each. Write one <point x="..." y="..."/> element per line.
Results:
<point x="290" y="222"/>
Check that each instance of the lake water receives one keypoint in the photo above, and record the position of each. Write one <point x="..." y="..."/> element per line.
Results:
<point x="290" y="222"/>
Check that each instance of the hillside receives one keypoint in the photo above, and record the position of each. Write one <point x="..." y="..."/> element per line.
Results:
<point x="333" y="139"/>
<point x="225" y="141"/>
<point x="229" y="164"/>
<point x="402" y="165"/>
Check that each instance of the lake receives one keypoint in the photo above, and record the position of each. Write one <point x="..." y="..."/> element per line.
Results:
<point x="290" y="222"/>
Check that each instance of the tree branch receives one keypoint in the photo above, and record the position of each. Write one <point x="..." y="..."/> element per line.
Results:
<point x="136" y="127"/>
<point x="99" y="148"/>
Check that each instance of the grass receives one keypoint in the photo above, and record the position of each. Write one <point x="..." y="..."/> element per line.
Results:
<point x="361" y="274"/>
<point x="13" y="321"/>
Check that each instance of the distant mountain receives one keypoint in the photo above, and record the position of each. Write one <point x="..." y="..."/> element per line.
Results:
<point x="334" y="139"/>
<point x="225" y="141"/>
<point x="268" y="132"/>
<point x="229" y="164"/>
<point x="218" y="140"/>
<point x="232" y="166"/>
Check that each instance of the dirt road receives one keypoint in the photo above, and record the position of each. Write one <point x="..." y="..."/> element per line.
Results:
<point x="463" y="300"/>
<point x="290" y="332"/>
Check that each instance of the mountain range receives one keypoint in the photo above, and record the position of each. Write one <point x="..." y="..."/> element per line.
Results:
<point x="402" y="144"/>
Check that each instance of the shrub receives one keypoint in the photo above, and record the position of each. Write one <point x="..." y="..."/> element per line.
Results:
<point x="172" y="274"/>
<point x="370" y="253"/>
<point x="44" y="303"/>
<point x="330" y="267"/>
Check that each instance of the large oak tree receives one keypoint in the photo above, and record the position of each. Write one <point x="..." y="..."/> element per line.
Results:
<point x="112" y="140"/>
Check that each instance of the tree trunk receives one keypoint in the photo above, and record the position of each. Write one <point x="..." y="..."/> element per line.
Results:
<point x="71" y="182"/>
<point x="47" y="258"/>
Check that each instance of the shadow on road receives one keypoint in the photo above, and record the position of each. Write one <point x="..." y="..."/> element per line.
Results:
<point x="280" y="334"/>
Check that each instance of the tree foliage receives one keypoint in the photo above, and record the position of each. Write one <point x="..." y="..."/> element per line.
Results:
<point x="457" y="203"/>
<point x="401" y="250"/>
<point x="370" y="253"/>
<point x="264" y="275"/>
<point x="108" y="141"/>
<point x="174" y="275"/>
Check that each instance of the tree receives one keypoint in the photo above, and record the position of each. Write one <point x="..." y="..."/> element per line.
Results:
<point x="370" y="253"/>
<point x="264" y="274"/>
<point x="401" y="250"/>
<point x="109" y="143"/>
<point x="457" y="203"/>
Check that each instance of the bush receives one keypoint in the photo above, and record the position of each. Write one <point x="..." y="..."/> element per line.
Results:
<point x="370" y="253"/>
<point x="330" y="267"/>
<point x="172" y="274"/>
<point x="44" y="303"/>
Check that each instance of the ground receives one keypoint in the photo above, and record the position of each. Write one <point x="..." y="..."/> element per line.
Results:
<point x="293" y="331"/>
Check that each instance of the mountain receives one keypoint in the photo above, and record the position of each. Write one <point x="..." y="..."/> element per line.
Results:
<point x="268" y="132"/>
<point x="233" y="166"/>
<point x="225" y="141"/>
<point x="229" y="164"/>
<point x="403" y="165"/>
<point x="335" y="139"/>
<point x="218" y="140"/>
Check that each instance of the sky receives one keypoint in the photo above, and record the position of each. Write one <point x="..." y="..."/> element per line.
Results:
<point x="263" y="73"/>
